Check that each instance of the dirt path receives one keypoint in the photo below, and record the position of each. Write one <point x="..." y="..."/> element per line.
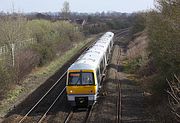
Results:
<point x="133" y="108"/>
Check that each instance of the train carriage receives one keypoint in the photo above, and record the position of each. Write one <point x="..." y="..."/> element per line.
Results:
<point x="85" y="74"/>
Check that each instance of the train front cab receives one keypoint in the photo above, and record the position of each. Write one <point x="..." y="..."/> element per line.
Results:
<point x="81" y="87"/>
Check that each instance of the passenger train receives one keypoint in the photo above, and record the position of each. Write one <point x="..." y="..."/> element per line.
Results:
<point x="85" y="74"/>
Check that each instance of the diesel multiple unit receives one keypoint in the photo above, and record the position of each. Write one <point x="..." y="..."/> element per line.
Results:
<point x="85" y="74"/>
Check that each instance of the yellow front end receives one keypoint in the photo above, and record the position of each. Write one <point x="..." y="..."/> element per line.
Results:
<point x="81" y="93"/>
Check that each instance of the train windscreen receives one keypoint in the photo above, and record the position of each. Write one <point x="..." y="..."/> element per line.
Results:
<point x="81" y="78"/>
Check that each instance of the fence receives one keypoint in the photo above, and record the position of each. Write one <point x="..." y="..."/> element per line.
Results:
<point x="9" y="50"/>
<point x="17" y="46"/>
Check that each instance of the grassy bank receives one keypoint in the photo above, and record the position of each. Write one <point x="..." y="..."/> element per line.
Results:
<point x="37" y="77"/>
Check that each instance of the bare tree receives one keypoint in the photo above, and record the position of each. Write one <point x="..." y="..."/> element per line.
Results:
<point x="13" y="30"/>
<point x="174" y="96"/>
<point x="65" y="10"/>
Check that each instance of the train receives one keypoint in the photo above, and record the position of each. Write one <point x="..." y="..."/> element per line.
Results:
<point x="84" y="76"/>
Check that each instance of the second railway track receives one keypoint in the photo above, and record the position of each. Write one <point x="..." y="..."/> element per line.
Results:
<point x="119" y="89"/>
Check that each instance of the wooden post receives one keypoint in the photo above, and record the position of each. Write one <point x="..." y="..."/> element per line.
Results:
<point x="13" y="54"/>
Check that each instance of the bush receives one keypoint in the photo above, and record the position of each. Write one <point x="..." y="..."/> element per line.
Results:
<point x="53" y="38"/>
<point x="164" y="34"/>
<point x="139" y="22"/>
<point x="158" y="85"/>
<point x="6" y="78"/>
<point x="118" y="24"/>
<point x="133" y="65"/>
<point x="164" y="45"/>
<point x="49" y="39"/>
<point x="45" y="53"/>
<point x="25" y="61"/>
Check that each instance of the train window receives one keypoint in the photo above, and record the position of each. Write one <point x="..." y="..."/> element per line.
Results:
<point x="74" y="79"/>
<point x="81" y="78"/>
<point x="98" y="75"/>
<point x="111" y="44"/>
<point x="87" y="79"/>
<point x="101" y="67"/>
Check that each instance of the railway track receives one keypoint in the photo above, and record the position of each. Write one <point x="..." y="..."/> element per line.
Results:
<point x="82" y="116"/>
<point x="119" y="90"/>
<point x="61" y="86"/>
<point x="43" y="97"/>
<point x="119" y="104"/>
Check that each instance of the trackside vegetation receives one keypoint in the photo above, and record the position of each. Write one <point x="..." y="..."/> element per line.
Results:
<point x="162" y="28"/>
<point x="161" y="68"/>
<point x="164" y="34"/>
<point x="37" y="77"/>
<point x="45" y="40"/>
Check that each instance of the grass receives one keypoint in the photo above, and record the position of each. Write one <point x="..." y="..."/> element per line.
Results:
<point x="133" y="65"/>
<point x="54" y="65"/>
<point x="36" y="78"/>
<point x="14" y="93"/>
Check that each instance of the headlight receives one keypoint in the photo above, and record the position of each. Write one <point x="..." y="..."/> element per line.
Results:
<point x="91" y="98"/>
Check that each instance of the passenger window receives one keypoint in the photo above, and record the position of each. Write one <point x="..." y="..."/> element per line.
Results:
<point x="101" y="66"/>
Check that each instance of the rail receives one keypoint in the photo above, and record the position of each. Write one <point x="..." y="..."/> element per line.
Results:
<point x="119" y="96"/>
<point x="87" y="116"/>
<point x="87" y="119"/>
<point x="51" y="105"/>
<point x="41" y="98"/>
<point x="119" y="104"/>
<point x="69" y="116"/>
<point x="26" y="115"/>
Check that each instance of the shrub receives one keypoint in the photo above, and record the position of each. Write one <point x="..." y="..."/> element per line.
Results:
<point x="6" y="78"/>
<point x="49" y="39"/>
<point x="139" y="22"/>
<point x="133" y="65"/>
<point x="44" y="52"/>
<point x="164" y="34"/>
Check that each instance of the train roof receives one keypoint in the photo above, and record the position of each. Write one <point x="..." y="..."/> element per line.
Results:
<point x="108" y="34"/>
<point x="91" y="58"/>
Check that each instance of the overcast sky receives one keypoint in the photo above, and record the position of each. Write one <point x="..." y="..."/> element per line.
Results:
<point x="76" y="5"/>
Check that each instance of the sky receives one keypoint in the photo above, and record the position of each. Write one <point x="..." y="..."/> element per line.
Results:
<point x="89" y="6"/>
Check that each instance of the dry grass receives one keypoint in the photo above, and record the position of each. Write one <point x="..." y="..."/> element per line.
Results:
<point x="138" y="46"/>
